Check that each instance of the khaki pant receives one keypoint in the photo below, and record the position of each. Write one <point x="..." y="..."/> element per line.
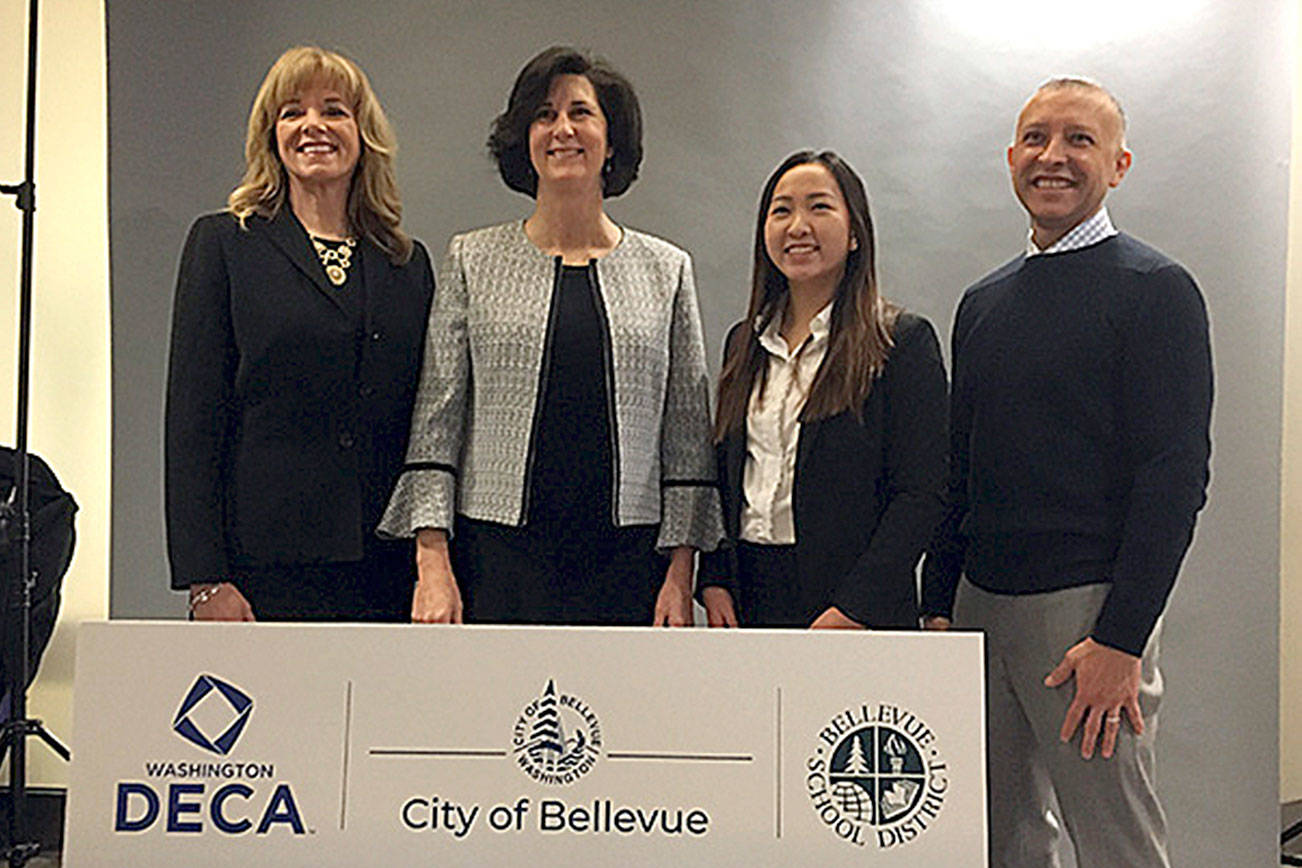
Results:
<point x="1109" y="806"/>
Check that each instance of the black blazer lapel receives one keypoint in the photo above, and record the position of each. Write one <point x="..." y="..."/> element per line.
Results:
<point x="810" y="431"/>
<point x="288" y="235"/>
<point x="810" y="434"/>
<point x="378" y="273"/>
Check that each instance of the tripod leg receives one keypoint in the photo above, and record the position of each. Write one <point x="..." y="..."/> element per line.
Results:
<point x="53" y="743"/>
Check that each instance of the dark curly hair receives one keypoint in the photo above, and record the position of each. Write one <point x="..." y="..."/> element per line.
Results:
<point x="509" y="140"/>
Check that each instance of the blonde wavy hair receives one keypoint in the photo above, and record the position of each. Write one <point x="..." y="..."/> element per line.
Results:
<point x="374" y="206"/>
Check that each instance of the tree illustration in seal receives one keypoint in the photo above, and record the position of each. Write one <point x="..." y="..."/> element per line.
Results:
<point x="547" y="738"/>
<point x="852" y="786"/>
<point x="858" y="763"/>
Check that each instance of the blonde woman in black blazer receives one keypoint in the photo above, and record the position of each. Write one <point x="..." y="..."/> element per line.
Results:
<point x="296" y="344"/>
<point x="831" y="429"/>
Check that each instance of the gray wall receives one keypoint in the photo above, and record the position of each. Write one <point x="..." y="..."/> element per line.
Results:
<point x="920" y="97"/>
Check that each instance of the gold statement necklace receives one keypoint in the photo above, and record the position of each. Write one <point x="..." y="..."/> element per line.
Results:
<point x="336" y="257"/>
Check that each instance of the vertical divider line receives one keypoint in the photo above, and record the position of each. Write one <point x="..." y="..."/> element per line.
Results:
<point x="348" y="738"/>
<point x="777" y="820"/>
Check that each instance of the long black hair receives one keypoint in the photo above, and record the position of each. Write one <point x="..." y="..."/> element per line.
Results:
<point x="862" y="321"/>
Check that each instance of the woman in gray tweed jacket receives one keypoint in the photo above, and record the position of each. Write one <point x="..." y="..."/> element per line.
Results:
<point x="560" y="467"/>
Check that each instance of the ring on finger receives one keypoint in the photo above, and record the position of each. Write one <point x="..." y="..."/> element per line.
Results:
<point x="1113" y="719"/>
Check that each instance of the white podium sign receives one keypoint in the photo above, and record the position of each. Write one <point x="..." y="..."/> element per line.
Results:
<point x="262" y="744"/>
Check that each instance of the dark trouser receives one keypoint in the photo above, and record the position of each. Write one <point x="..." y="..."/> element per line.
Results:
<point x="376" y="588"/>
<point x="557" y="574"/>
<point x="769" y="594"/>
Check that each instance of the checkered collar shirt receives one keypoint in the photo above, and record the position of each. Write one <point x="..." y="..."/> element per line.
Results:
<point x="1083" y="234"/>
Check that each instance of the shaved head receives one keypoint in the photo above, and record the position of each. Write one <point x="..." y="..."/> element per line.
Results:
<point x="1089" y="85"/>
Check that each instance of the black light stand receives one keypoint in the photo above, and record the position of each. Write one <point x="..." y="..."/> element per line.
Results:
<point x="15" y="518"/>
<point x="1285" y="837"/>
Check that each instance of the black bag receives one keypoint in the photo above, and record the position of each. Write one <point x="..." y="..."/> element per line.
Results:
<point x="52" y="510"/>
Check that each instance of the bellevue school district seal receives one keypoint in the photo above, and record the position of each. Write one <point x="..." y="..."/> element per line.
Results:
<point x="876" y="775"/>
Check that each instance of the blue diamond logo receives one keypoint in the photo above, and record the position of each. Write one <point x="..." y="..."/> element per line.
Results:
<point x="235" y="708"/>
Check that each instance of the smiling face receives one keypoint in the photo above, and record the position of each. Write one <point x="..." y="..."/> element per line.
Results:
<point x="317" y="137"/>
<point x="807" y="228"/>
<point x="567" y="139"/>
<point x="1067" y="152"/>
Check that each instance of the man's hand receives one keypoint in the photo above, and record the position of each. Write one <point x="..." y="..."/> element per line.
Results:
<point x="936" y="622"/>
<point x="674" y="602"/>
<point x="719" y="609"/>
<point x="1107" y="684"/>
<point x="834" y="619"/>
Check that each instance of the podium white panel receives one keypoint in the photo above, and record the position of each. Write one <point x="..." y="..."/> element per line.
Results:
<point x="258" y="744"/>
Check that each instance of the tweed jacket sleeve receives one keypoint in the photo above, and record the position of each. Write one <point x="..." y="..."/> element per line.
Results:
<point x="425" y="495"/>
<point x="690" y="512"/>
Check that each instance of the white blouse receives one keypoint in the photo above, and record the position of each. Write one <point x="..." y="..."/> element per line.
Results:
<point x="773" y="431"/>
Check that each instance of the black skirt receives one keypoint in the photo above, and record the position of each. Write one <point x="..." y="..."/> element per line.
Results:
<point x="769" y="595"/>
<point x="376" y="588"/>
<point x="541" y="574"/>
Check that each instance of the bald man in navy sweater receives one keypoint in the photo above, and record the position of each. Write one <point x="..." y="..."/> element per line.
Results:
<point x="1082" y="389"/>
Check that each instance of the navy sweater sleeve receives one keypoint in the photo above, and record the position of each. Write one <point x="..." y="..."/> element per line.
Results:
<point x="1165" y="411"/>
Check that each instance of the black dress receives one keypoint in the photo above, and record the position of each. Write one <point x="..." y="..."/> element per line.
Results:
<point x="569" y="563"/>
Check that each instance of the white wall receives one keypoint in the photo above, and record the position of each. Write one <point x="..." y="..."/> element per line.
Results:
<point x="70" y="386"/>
<point x="1290" y="561"/>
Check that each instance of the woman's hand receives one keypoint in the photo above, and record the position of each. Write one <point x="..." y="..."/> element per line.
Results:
<point x="674" y="602"/>
<point x="719" y="610"/>
<point x="834" y="619"/>
<point x="436" y="599"/>
<point x="935" y="622"/>
<point x="219" y="602"/>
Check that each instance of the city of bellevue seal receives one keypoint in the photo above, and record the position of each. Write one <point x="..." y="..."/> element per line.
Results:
<point x="557" y="738"/>
<point x="876" y="775"/>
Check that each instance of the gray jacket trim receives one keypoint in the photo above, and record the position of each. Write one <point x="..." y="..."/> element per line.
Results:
<point x="489" y="321"/>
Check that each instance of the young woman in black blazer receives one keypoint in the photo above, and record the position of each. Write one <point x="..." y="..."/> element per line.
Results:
<point x="831" y="423"/>
<point x="296" y="343"/>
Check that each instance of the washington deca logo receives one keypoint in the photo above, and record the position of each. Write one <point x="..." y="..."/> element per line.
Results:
<point x="876" y="776"/>
<point x="557" y="738"/>
<point x="213" y="714"/>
